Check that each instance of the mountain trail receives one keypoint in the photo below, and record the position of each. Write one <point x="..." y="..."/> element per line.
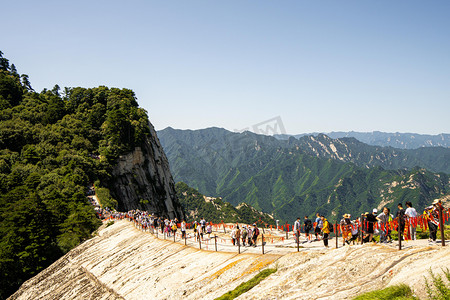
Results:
<point x="122" y="262"/>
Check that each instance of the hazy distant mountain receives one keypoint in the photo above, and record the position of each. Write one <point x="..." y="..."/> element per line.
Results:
<point x="288" y="177"/>
<point x="396" y="140"/>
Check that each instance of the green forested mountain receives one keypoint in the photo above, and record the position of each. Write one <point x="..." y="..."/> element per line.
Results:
<point x="201" y="157"/>
<point x="303" y="176"/>
<point x="197" y="206"/>
<point x="436" y="159"/>
<point x="53" y="144"/>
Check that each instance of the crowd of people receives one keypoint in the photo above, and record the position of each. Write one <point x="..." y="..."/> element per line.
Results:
<point x="244" y="235"/>
<point x="360" y="229"/>
<point x="247" y="234"/>
<point x="369" y="224"/>
<point x="241" y="235"/>
<point x="148" y="221"/>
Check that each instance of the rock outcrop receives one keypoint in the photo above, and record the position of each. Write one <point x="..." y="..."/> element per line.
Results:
<point x="142" y="180"/>
<point x="122" y="262"/>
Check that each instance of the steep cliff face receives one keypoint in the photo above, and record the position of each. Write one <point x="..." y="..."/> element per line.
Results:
<point x="142" y="180"/>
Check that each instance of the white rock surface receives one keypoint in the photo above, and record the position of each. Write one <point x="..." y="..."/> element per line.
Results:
<point x="125" y="263"/>
<point x="346" y="272"/>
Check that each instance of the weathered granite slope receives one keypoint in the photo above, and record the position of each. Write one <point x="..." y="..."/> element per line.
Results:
<point x="125" y="263"/>
<point x="347" y="272"/>
<point x="142" y="179"/>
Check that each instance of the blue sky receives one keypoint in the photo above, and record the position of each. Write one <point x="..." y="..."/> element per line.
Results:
<point x="320" y="65"/>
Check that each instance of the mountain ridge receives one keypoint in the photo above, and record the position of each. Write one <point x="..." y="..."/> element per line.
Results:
<point x="302" y="175"/>
<point x="400" y="140"/>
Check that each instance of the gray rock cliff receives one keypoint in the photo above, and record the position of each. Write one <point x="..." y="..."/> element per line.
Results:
<point x="142" y="180"/>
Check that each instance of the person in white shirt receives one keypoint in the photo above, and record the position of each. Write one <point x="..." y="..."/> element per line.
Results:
<point x="412" y="218"/>
<point x="203" y="223"/>
<point x="233" y="236"/>
<point x="183" y="229"/>
<point x="297" y="230"/>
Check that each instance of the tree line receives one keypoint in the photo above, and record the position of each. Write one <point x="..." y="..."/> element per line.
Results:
<point x="53" y="144"/>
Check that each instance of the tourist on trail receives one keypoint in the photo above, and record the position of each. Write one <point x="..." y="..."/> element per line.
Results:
<point x="384" y="219"/>
<point x="400" y="216"/>
<point x="255" y="234"/>
<point x="308" y="227"/>
<point x="209" y="230"/>
<point x="155" y="222"/>
<point x="200" y="232"/>
<point x="346" y="229"/>
<point x="325" y="230"/>
<point x="183" y="229"/>
<point x="167" y="228"/>
<point x="249" y="235"/>
<point x="319" y="226"/>
<point x="174" y="227"/>
<point x="195" y="226"/>
<point x="363" y="224"/>
<point x="411" y="213"/>
<point x="370" y="225"/>
<point x="391" y="219"/>
<point x="375" y="225"/>
<point x="203" y="223"/>
<point x="244" y="235"/>
<point x="355" y="232"/>
<point x="161" y="224"/>
<point x="233" y="235"/>
<point x="432" y="213"/>
<point x="297" y="230"/>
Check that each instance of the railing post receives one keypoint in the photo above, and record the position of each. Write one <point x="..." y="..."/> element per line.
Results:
<point x="262" y="243"/>
<point x="215" y="241"/>
<point x="441" y="224"/>
<point x="199" y="241"/>
<point x="298" y="240"/>
<point x="336" y="233"/>
<point x="362" y="230"/>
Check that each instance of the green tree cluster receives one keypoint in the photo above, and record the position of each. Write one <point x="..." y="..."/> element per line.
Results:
<point x="216" y="210"/>
<point x="53" y="145"/>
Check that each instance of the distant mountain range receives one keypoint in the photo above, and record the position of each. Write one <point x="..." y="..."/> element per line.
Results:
<point x="384" y="139"/>
<point x="293" y="177"/>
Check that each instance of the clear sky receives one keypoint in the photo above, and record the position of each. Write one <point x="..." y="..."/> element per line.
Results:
<point x="320" y="65"/>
